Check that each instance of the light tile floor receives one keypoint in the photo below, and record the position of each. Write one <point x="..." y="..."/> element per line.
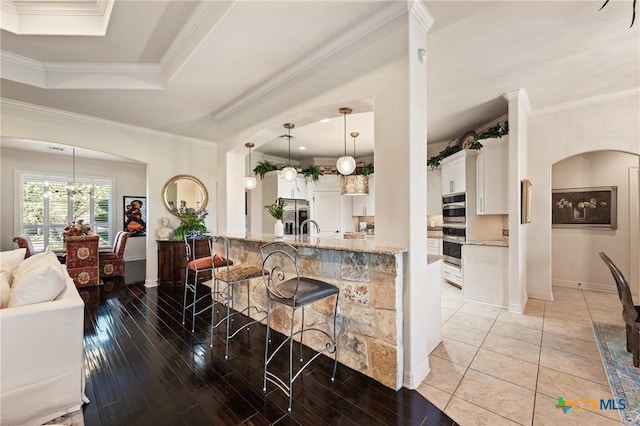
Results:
<point x="498" y="368"/>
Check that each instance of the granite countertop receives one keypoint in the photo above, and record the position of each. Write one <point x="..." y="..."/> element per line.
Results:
<point x="433" y="258"/>
<point x="367" y="245"/>
<point x="490" y="243"/>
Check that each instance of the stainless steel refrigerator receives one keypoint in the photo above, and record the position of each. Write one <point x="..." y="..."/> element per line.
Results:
<point x="295" y="212"/>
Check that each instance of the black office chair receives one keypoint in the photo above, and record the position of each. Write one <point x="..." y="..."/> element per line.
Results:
<point x="284" y="284"/>
<point x="630" y="312"/>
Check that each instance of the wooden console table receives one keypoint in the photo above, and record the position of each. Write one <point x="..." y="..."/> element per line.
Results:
<point x="172" y="261"/>
<point x="82" y="260"/>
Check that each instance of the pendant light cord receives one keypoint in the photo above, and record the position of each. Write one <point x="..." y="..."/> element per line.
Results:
<point x="345" y="134"/>
<point x="289" y="137"/>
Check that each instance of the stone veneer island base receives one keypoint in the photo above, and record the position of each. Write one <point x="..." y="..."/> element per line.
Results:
<point x="370" y="307"/>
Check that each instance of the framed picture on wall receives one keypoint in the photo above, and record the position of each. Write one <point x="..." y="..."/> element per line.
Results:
<point x="135" y="215"/>
<point x="594" y="207"/>
<point x="525" y="208"/>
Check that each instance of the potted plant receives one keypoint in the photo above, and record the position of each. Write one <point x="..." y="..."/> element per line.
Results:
<point x="191" y="222"/>
<point x="367" y="169"/>
<point x="276" y="210"/>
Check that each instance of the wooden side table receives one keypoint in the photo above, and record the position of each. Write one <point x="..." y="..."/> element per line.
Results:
<point x="82" y="260"/>
<point x="172" y="261"/>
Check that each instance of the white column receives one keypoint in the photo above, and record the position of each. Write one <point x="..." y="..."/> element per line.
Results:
<point x="519" y="109"/>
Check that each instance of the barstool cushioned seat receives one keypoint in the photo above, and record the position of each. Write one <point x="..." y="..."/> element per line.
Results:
<point x="208" y="263"/>
<point x="239" y="273"/>
<point x="309" y="290"/>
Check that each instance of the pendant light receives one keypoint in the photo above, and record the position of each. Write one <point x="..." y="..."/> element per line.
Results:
<point x="355" y="184"/>
<point x="289" y="173"/>
<point x="250" y="182"/>
<point x="75" y="188"/>
<point x="345" y="164"/>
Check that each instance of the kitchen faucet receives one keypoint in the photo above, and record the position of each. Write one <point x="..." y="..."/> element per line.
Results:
<point x="310" y="221"/>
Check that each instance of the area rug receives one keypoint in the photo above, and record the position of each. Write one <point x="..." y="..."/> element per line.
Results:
<point x="72" y="419"/>
<point x="623" y="377"/>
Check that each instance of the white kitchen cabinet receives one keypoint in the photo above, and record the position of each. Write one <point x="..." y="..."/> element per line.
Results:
<point x="485" y="270"/>
<point x="365" y="205"/>
<point x="434" y="246"/>
<point x="275" y="186"/>
<point x="452" y="274"/>
<point x="454" y="174"/>
<point x="434" y="192"/>
<point x="491" y="177"/>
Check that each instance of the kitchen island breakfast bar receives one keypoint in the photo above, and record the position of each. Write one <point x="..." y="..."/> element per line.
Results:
<point x="370" y="308"/>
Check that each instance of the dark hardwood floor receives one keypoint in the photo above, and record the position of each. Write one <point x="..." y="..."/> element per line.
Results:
<point x="144" y="367"/>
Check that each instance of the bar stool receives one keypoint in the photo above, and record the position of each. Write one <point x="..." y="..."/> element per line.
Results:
<point x="197" y="266"/>
<point x="285" y="286"/>
<point x="232" y="274"/>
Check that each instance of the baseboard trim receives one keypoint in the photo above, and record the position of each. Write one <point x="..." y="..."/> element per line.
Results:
<point x="516" y="308"/>
<point x="541" y="295"/>
<point x="411" y="380"/>
<point x="584" y="286"/>
<point x="150" y="283"/>
<point x="135" y="258"/>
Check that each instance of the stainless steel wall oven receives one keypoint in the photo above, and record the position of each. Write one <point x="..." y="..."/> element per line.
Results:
<point x="454" y="209"/>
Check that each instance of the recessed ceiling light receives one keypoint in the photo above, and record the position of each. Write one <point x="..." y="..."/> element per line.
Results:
<point x="302" y="148"/>
<point x="324" y="120"/>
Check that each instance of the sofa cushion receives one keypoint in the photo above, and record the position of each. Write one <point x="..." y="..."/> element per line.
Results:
<point x="9" y="261"/>
<point x="5" y="290"/>
<point x="39" y="278"/>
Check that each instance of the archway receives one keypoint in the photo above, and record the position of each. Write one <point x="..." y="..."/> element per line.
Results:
<point x="574" y="248"/>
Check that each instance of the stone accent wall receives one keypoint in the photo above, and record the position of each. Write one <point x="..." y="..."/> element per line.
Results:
<point x="369" y="321"/>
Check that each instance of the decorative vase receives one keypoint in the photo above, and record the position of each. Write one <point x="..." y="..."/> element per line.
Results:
<point x="279" y="229"/>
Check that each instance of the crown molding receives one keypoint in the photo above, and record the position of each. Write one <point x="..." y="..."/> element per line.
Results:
<point x="85" y="75"/>
<point x="89" y="17"/>
<point x="635" y="91"/>
<point x="522" y="96"/>
<point x="367" y="26"/>
<point x="422" y="13"/>
<point x="53" y="112"/>
<point x="202" y="22"/>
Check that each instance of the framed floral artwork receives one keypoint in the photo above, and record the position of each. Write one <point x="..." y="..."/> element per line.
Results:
<point x="594" y="207"/>
<point x="135" y="215"/>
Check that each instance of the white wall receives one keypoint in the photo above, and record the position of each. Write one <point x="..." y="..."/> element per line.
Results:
<point x="129" y="179"/>
<point x="554" y="135"/>
<point x="575" y="251"/>
<point x="166" y="155"/>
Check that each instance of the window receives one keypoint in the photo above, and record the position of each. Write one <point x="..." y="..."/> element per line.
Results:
<point x="47" y="206"/>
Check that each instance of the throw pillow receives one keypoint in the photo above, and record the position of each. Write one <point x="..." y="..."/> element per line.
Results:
<point x="9" y="261"/>
<point x="5" y="290"/>
<point x="40" y="278"/>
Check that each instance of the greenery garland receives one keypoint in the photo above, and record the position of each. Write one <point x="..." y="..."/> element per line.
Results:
<point x="266" y="166"/>
<point x="497" y="131"/>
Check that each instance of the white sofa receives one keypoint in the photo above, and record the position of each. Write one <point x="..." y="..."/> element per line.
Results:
<point x="42" y="359"/>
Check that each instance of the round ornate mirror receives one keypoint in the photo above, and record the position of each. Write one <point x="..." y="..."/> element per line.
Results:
<point x="184" y="188"/>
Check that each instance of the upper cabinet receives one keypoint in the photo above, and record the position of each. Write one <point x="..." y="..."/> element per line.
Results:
<point x="454" y="174"/>
<point x="364" y="205"/>
<point x="491" y="176"/>
<point x="274" y="186"/>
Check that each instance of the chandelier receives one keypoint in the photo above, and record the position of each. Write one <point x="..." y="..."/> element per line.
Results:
<point x="74" y="188"/>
